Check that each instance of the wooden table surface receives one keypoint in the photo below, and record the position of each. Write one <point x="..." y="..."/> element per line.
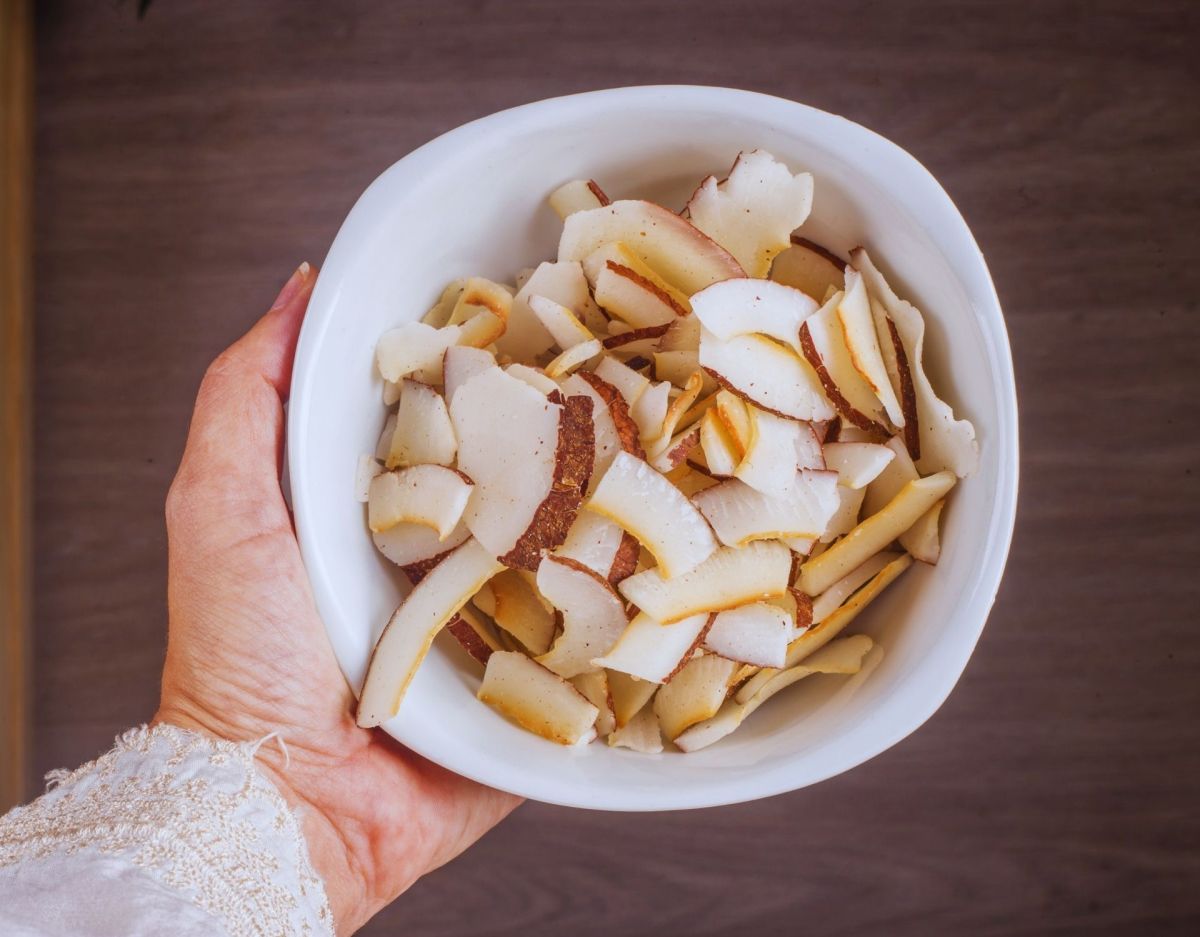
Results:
<point x="187" y="162"/>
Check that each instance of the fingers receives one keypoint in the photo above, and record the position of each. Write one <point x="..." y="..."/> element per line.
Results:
<point x="234" y="445"/>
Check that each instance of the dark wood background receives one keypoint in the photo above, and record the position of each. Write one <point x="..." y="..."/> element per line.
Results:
<point x="187" y="162"/>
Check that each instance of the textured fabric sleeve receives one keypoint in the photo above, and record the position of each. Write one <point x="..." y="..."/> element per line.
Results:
<point x="170" y="832"/>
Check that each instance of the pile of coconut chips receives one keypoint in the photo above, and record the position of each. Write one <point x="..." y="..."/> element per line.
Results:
<point x="652" y="484"/>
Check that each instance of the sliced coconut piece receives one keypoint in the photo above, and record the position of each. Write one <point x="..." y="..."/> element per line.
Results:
<point x="650" y="411"/>
<point x="652" y="651"/>
<point x="384" y="444"/>
<point x="460" y="364"/>
<point x="630" y="696"/>
<point x="525" y="337"/>
<point x="767" y="374"/>
<point x="439" y="313"/>
<point x="734" y="414"/>
<point x="619" y="410"/>
<point x="365" y="469"/>
<point x="694" y="694"/>
<point x="409" y="544"/>
<point x="507" y="431"/>
<point x="843" y="656"/>
<point x="627" y="381"/>
<point x="680" y="253"/>
<point x="625" y="340"/>
<point x="720" y="452"/>
<point x="832" y="598"/>
<point x="577" y="195"/>
<point x="480" y="294"/>
<point x="675" y="411"/>
<point x="682" y="335"/>
<point x="409" y="633"/>
<point x="431" y="495"/>
<point x="593" y="614"/>
<point x="678" y="367"/>
<point x="676" y="450"/>
<point x="740" y="514"/>
<point x="845" y="518"/>
<point x="803" y="613"/>
<point x="482" y="311"/>
<point x="825" y="349"/>
<point x="810" y="268"/>
<point x="517" y="608"/>
<point x="921" y="540"/>
<point x="530" y="457"/>
<point x="709" y="731"/>
<point x="618" y="253"/>
<point x="632" y="298"/>
<point x="600" y="545"/>
<point x="801" y="546"/>
<point x="391" y="393"/>
<point x="826" y="430"/>
<point x="875" y="533"/>
<point x="509" y="643"/>
<point x="772" y="453"/>
<point x="808" y="449"/>
<point x="694" y="481"/>
<point x="640" y="734"/>
<point x="756" y="634"/>
<point x="593" y="685"/>
<point x="728" y="578"/>
<point x="473" y="634"/>
<point x="897" y="473"/>
<point x="835" y="621"/>
<point x="847" y="432"/>
<point x="614" y="428"/>
<point x="787" y="604"/>
<point x="534" y="377"/>
<point x="562" y="324"/>
<point x="413" y="347"/>
<point x="574" y="357"/>
<point x="536" y="699"/>
<point x="753" y="212"/>
<point x="857" y="463"/>
<point x="641" y="501"/>
<point x="818" y="636"/>
<point x="945" y="443"/>
<point x="744" y="307"/>
<point x="895" y="361"/>
<point x="424" y="434"/>
<point x="480" y="331"/>
<point x="861" y="341"/>
<point x="573" y="462"/>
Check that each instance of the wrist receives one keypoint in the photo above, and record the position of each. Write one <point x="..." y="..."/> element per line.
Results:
<point x="286" y="768"/>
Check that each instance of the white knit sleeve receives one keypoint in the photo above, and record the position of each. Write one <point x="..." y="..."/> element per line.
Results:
<point x="170" y="832"/>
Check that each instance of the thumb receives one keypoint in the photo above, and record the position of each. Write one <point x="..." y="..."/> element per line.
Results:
<point x="234" y="448"/>
<point x="268" y="348"/>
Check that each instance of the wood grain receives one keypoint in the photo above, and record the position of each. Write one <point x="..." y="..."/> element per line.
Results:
<point x="187" y="162"/>
<point x="16" y="247"/>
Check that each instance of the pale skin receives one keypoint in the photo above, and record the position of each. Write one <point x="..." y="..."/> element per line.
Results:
<point x="247" y="654"/>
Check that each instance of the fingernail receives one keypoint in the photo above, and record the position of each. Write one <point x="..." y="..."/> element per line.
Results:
<point x="292" y="286"/>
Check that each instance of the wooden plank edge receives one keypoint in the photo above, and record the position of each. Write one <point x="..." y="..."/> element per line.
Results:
<point x="16" y="493"/>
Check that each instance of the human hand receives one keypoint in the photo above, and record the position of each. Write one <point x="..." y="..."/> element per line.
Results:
<point x="247" y="654"/>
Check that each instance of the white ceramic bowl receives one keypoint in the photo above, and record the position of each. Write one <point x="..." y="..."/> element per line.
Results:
<point x="473" y="202"/>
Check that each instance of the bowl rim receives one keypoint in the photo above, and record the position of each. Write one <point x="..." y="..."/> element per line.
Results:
<point x="920" y="187"/>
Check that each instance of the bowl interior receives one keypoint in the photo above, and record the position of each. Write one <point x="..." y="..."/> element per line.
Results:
<point x="473" y="202"/>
